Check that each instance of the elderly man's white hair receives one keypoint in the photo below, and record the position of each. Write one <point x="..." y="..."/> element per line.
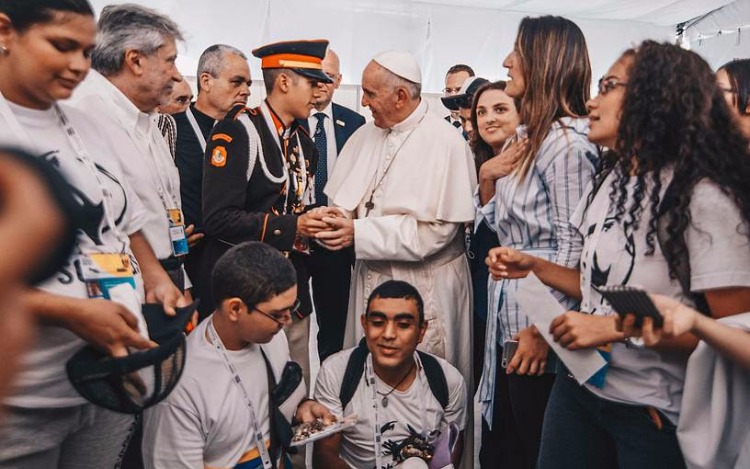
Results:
<point x="129" y="26"/>
<point x="213" y="60"/>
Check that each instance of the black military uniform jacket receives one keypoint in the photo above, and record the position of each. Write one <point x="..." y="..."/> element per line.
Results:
<point x="254" y="204"/>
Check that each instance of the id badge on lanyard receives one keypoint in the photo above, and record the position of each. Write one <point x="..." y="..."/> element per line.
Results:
<point x="177" y="235"/>
<point x="103" y="272"/>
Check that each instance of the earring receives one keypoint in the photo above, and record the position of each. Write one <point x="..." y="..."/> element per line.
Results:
<point x="3" y="50"/>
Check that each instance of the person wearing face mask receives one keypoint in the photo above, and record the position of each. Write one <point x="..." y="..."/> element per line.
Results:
<point x="733" y="79"/>
<point x="223" y="83"/>
<point x="45" y="52"/>
<point x="135" y="73"/>
<point x="669" y="210"/>
<point x="529" y="209"/>
<point x="258" y="170"/>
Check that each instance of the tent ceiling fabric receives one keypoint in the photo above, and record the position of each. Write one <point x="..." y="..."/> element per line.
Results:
<point x="439" y="33"/>
<point x="660" y="12"/>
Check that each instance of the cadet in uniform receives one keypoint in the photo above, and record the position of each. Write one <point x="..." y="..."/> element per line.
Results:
<point x="258" y="170"/>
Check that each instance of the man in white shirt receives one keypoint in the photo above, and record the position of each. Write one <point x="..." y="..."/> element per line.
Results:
<point x="398" y="392"/>
<point x="221" y="404"/>
<point x="330" y="126"/>
<point x="135" y="72"/>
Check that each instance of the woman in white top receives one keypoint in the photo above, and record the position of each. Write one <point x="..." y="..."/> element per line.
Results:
<point x="668" y="212"/>
<point x="45" y="49"/>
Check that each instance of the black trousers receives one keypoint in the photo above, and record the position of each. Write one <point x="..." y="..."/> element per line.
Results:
<point x="520" y="402"/>
<point x="331" y="273"/>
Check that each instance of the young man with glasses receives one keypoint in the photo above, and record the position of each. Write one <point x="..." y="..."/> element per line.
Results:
<point x="211" y="418"/>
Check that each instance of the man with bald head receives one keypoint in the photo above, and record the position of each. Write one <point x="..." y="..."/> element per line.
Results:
<point x="330" y="126"/>
<point x="400" y="193"/>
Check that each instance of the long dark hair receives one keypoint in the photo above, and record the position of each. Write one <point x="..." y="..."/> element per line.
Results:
<point x="557" y="74"/>
<point x="674" y="118"/>
<point x="26" y="13"/>
<point x="738" y="71"/>
<point x="482" y="150"/>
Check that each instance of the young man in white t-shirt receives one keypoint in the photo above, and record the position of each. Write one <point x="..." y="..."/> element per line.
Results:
<point x="404" y="405"/>
<point x="207" y="421"/>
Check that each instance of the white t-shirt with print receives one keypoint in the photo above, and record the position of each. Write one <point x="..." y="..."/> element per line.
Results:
<point x="403" y="410"/>
<point x="719" y="254"/>
<point x="43" y="381"/>
<point x="205" y="421"/>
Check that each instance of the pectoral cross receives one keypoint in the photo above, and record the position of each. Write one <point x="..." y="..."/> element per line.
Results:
<point x="369" y="205"/>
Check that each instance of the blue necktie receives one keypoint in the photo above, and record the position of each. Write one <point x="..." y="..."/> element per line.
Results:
<point x="321" y="173"/>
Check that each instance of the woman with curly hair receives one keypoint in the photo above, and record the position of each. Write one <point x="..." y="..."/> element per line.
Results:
<point x="734" y="80"/>
<point x="529" y="210"/>
<point x="670" y="210"/>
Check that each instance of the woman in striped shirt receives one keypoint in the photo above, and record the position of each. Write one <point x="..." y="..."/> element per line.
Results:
<point x="529" y="210"/>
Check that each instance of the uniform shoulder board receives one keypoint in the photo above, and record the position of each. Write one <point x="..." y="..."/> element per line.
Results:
<point x="237" y="111"/>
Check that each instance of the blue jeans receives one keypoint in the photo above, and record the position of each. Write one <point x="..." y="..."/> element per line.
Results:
<point x="582" y="430"/>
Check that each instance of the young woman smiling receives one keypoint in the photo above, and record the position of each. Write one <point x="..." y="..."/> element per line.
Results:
<point x="45" y="48"/>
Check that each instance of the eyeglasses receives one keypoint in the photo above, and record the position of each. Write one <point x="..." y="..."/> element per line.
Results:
<point x="183" y="99"/>
<point x="284" y="321"/>
<point x="608" y="84"/>
<point x="451" y="91"/>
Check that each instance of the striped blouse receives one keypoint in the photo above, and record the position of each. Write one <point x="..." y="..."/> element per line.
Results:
<point x="533" y="215"/>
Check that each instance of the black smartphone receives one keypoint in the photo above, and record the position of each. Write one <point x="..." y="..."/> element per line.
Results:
<point x="626" y="299"/>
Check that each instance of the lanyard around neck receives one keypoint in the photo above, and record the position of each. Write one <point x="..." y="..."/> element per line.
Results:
<point x="257" y="432"/>
<point x="81" y="155"/>
<point x="378" y="433"/>
<point x="196" y="128"/>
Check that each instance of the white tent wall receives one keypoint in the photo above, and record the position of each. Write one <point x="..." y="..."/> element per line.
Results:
<point x="722" y="35"/>
<point x="440" y="33"/>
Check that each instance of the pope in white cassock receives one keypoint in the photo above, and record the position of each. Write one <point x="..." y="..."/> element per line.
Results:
<point x="404" y="183"/>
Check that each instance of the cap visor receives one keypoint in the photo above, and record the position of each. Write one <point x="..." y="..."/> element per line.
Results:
<point x="162" y="327"/>
<point x="451" y="102"/>
<point x="314" y="74"/>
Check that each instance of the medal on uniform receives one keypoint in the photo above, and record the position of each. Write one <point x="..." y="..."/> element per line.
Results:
<point x="177" y="232"/>
<point x="102" y="272"/>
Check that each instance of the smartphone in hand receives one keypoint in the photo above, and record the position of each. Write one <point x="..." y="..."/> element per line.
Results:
<point x="626" y="299"/>
<point x="509" y="349"/>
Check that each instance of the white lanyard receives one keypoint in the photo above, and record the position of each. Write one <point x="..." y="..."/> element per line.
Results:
<point x="81" y="155"/>
<point x="378" y="434"/>
<point x="196" y="128"/>
<point x="257" y="433"/>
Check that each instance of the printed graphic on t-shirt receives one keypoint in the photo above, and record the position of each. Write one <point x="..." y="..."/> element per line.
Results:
<point x="611" y="271"/>
<point x="397" y="450"/>
<point x="94" y="227"/>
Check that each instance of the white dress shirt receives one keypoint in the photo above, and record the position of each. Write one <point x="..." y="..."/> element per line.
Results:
<point x="141" y="150"/>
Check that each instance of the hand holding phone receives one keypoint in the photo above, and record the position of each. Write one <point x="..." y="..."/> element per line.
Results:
<point x="626" y="299"/>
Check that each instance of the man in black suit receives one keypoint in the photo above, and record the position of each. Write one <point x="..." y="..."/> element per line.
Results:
<point x="330" y="125"/>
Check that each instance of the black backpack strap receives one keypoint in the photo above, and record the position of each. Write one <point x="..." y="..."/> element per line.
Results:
<point x="435" y="378"/>
<point x="356" y="366"/>
<point x="275" y="443"/>
<point x="354" y="369"/>
<point x="679" y="264"/>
